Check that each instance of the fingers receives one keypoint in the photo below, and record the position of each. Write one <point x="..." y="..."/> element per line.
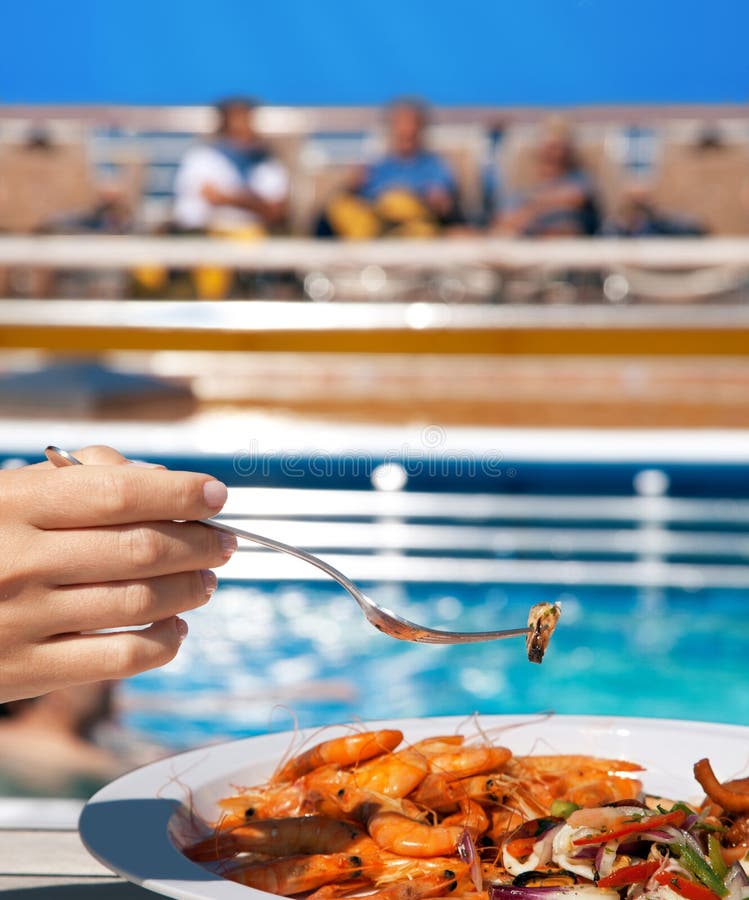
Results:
<point x="82" y="496"/>
<point x="141" y="551"/>
<point x="98" y="455"/>
<point x="122" y="604"/>
<point x="80" y="658"/>
<point x="101" y="455"/>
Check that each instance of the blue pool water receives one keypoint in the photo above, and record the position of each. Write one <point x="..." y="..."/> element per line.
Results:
<point x="648" y="558"/>
<point x="304" y="652"/>
<point x="651" y="573"/>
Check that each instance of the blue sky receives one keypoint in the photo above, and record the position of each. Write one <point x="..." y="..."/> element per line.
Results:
<point x="533" y="52"/>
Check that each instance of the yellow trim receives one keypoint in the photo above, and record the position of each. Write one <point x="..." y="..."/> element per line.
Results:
<point x="603" y="341"/>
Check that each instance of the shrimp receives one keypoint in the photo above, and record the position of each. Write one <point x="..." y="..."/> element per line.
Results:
<point x="439" y="744"/>
<point x="502" y="821"/>
<point x="393" y="775"/>
<point x="604" y="790"/>
<point x="584" y="780"/>
<point x="582" y="765"/>
<point x="471" y="817"/>
<point x="436" y="885"/>
<point x="395" y="868"/>
<point x="439" y="793"/>
<point x="408" y="837"/>
<point x="469" y="761"/>
<point x="280" y="837"/>
<point x="264" y="803"/>
<point x="343" y="751"/>
<point x="316" y="792"/>
<point x="295" y="874"/>
<point x="341" y="889"/>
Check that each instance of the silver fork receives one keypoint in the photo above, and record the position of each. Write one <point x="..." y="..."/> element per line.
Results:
<point x="383" y="619"/>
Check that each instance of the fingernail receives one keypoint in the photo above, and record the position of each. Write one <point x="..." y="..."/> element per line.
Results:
<point x="144" y="464"/>
<point x="182" y="628"/>
<point x="210" y="582"/>
<point x="228" y="544"/>
<point x="215" y="494"/>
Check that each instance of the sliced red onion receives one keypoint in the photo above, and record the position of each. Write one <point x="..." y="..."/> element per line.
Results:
<point x="587" y="853"/>
<point x="737" y="883"/>
<point x="467" y="852"/>
<point x="606" y="857"/>
<point x="657" y="837"/>
<point x="687" y="838"/>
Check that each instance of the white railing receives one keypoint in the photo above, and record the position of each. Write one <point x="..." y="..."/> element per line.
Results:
<point x="305" y="254"/>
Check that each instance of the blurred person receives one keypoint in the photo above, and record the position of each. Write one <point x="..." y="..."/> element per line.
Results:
<point x="230" y="186"/>
<point x="54" y="745"/>
<point x="561" y="201"/>
<point x="637" y="215"/>
<point x="410" y="191"/>
<point x="231" y="183"/>
<point x="108" y="545"/>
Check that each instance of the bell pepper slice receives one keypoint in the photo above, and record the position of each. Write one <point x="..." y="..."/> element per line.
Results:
<point x="716" y="856"/>
<point x="647" y="823"/>
<point x="636" y="874"/>
<point x="684" y="887"/>
<point x="695" y="863"/>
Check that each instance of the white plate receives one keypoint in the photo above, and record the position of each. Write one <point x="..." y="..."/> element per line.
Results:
<point x="126" y="825"/>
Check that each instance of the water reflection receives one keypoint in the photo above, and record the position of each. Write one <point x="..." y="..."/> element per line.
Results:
<point x="260" y="659"/>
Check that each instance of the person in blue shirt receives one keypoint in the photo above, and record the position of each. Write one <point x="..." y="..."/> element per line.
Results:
<point x="409" y="191"/>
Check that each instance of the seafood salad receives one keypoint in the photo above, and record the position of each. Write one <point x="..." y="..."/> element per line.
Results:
<point x="368" y="815"/>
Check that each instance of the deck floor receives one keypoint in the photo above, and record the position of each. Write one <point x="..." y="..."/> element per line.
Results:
<point x="54" y="865"/>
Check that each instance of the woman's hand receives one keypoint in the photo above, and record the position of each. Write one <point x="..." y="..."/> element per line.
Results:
<point x="97" y="546"/>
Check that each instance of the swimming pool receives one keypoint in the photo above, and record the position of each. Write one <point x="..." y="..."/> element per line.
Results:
<point x="649" y="557"/>
<point x="649" y="561"/>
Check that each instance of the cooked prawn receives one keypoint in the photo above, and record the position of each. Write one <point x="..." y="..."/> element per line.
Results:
<point x="408" y="837"/>
<point x="469" y="761"/>
<point x="394" y="774"/>
<point x="342" y="751"/>
<point x="471" y="817"/>
<point x="341" y="889"/>
<point x="585" y="780"/>
<point x="583" y="765"/>
<point x="317" y="792"/>
<point x="295" y="874"/>
<point x="603" y="791"/>
<point x="439" y="744"/>
<point x="427" y="886"/>
<point x="501" y="821"/>
<point x="396" y="867"/>
<point x="442" y="794"/>
<point x="438" y="793"/>
<point x="281" y="837"/>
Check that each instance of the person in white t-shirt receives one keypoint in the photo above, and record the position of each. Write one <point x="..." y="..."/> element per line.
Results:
<point x="232" y="183"/>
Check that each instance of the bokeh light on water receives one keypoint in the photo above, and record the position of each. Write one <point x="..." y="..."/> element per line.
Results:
<point x="261" y="658"/>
